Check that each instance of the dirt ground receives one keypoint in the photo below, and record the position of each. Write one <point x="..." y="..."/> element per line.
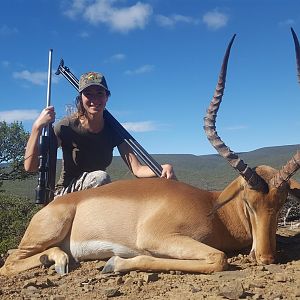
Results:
<point x="244" y="280"/>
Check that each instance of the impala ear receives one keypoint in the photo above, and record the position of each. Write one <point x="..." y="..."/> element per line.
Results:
<point x="294" y="188"/>
<point x="228" y="194"/>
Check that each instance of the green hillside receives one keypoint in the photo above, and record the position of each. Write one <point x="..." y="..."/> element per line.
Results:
<point x="204" y="171"/>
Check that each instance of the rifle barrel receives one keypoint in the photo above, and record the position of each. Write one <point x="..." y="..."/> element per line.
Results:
<point x="47" y="153"/>
<point x="49" y="78"/>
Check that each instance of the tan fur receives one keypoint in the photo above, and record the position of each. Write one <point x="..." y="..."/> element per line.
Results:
<point x="157" y="224"/>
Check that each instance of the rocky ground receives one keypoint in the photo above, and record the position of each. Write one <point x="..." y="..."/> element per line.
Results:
<point x="244" y="280"/>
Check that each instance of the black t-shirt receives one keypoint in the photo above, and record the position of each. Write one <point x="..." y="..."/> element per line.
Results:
<point x="84" y="151"/>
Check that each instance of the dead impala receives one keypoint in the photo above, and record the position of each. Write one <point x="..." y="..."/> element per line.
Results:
<point x="159" y="224"/>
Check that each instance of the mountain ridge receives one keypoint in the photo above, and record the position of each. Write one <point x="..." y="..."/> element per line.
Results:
<point x="209" y="171"/>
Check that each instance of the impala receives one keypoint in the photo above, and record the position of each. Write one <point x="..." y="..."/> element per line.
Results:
<point x="157" y="224"/>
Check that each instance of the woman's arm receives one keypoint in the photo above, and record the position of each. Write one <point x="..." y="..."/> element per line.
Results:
<point x="31" y="162"/>
<point x="140" y="170"/>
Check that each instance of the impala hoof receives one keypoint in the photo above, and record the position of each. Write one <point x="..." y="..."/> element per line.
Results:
<point x="62" y="269"/>
<point x="109" y="266"/>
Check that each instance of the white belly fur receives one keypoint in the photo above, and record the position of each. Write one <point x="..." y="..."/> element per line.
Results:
<point x="99" y="250"/>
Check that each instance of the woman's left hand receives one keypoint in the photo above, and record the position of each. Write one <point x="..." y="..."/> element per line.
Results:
<point x="168" y="172"/>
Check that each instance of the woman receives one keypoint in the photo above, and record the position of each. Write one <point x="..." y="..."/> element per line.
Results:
<point x="87" y="141"/>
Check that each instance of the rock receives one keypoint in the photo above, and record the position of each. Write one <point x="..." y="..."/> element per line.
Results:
<point x="30" y="283"/>
<point x="277" y="297"/>
<point x="140" y="283"/>
<point x="258" y="284"/>
<point x="119" y="280"/>
<point x="257" y="296"/>
<point x="51" y="270"/>
<point x="274" y="268"/>
<point x="109" y="293"/>
<point x="100" y="265"/>
<point x="49" y="283"/>
<point x="195" y="290"/>
<point x="261" y="268"/>
<point x="233" y="291"/>
<point x="280" y="277"/>
<point x="129" y="281"/>
<point x="295" y="262"/>
<point x="231" y="275"/>
<point x="133" y="273"/>
<point x="150" y="277"/>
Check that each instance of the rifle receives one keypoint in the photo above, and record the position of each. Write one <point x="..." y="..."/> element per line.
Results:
<point x="47" y="154"/>
<point x="115" y="125"/>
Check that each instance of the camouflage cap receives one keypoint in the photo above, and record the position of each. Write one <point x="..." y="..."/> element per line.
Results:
<point x="92" y="78"/>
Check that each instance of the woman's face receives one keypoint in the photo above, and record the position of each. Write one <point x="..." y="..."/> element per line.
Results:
<point x="94" y="99"/>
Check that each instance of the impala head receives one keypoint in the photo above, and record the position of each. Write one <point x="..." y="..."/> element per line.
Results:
<point x="262" y="190"/>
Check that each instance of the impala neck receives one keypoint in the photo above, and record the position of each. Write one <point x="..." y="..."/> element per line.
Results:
<point x="236" y="220"/>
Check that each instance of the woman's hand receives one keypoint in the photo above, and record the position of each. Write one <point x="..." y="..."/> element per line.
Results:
<point x="139" y="170"/>
<point x="168" y="172"/>
<point x="46" y="116"/>
<point x="31" y="162"/>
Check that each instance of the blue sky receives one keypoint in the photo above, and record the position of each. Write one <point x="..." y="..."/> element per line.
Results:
<point x="161" y="59"/>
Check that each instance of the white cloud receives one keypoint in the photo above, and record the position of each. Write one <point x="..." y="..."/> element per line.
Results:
<point x="5" y="30"/>
<point x="18" y="115"/>
<point x="121" y="19"/>
<point x="76" y="8"/>
<point x="38" y="78"/>
<point x="288" y="22"/>
<point x="172" y="20"/>
<point x="116" y="57"/>
<point x="215" y="20"/>
<point x="140" y="70"/>
<point x="140" y="126"/>
<point x="84" y="34"/>
<point x="5" y="63"/>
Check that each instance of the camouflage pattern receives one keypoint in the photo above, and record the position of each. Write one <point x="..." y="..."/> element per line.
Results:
<point x="92" y="78"/>
<point x="86" y="181"/>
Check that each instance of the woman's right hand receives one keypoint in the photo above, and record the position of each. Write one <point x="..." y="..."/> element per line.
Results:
<point x="46" y="116"/>
<point x="31" y="161"/>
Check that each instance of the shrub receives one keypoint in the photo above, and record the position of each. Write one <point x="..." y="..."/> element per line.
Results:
<point x="15" y="214"/>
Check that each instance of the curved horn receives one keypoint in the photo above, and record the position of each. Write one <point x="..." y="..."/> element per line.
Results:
<point x="292" y="166"/>
<point x="287" y="171"/>
<point x="252" y="178"/>
<point x="297" y="50"/>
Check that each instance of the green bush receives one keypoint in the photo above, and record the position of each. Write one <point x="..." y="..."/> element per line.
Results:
<point x="15" y="214"/>
<point x="13" y="139"/>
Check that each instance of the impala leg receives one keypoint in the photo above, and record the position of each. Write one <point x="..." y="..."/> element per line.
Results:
<point x="13" y="265"/>
<point x="184" y="254"/>
<point x="46" y="230"/>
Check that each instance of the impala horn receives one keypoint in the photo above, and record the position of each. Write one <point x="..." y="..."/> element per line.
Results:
<point x="251" y="177"/>
<point x="292" y="166"/>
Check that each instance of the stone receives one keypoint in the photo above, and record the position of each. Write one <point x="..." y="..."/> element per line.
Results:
<point x="114" y="292"/>
<point x="150" y="277"/>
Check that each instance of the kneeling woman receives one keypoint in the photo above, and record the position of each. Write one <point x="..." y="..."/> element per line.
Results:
<point x="87" y="141"/>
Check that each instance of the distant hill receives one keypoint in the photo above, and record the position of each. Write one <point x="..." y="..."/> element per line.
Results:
<point x="204" y="171"/>
<point x="212" y="171"/>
